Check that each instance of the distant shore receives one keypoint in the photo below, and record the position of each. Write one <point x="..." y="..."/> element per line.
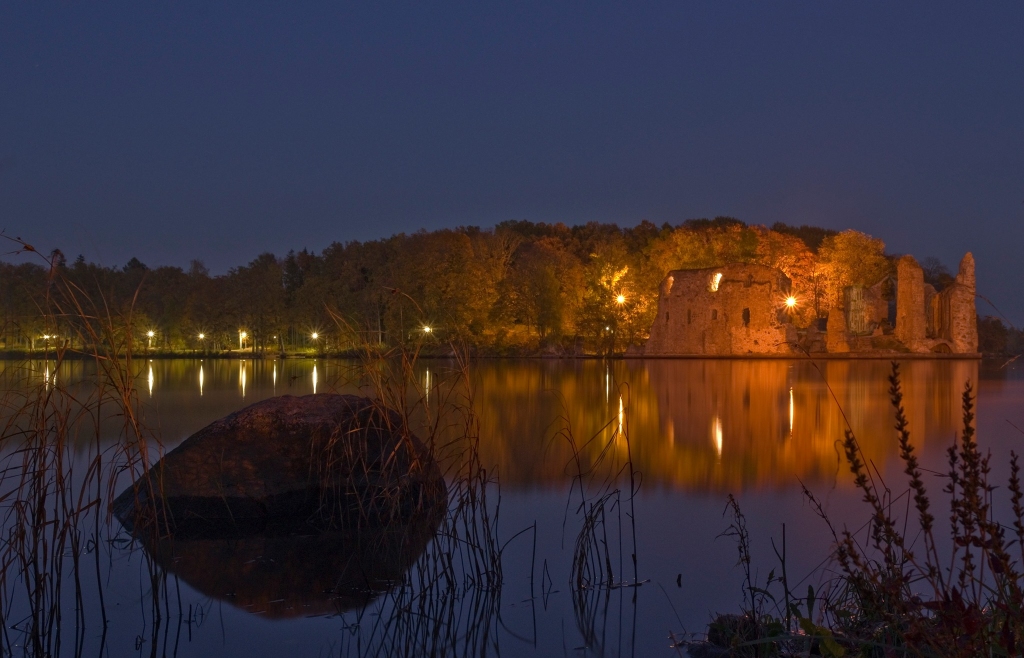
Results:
<point x="239" y="355"/>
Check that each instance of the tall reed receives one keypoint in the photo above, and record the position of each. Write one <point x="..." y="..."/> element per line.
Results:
<point x="900" y="590"/>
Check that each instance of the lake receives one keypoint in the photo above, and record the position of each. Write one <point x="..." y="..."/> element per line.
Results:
<point x="694" y="430"/>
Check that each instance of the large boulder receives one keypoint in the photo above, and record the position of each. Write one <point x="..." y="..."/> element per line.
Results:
<point x="317" y="462"/>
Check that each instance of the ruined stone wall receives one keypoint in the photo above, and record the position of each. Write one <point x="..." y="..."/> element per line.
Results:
<point x="730" y="310"/>
<point x="927" y="321"/>
<point x="911" y="325"/>
<point x="836" y="332"/>
<point x="958" y="304"/>
<point x="740" y="309"/>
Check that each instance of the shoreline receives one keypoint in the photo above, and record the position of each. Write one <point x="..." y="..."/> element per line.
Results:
<point x="235" y="356"/>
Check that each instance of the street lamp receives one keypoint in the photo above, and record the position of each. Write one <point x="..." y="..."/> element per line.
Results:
<point x="620" y="300"/>
<point x="149" y="335"/>
<point x="241" y="339"/>
<point x="791" y="302"/>
<point x="426" y="329"/>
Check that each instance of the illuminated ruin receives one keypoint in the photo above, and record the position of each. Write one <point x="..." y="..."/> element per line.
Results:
<point x="738" y="310"/>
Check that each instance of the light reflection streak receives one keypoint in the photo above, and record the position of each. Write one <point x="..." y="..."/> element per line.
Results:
<point x="200" y="379"/>
<point x="716" y="425"/>
<point x="314" y="379"/>
<point x="792" y="411"/>
<point x="426" y="386"/>
<point x="150" y="379"/>
<point x="622" y="417"/>
<point x="275" y="377"/>
<point x="241" y="376"/>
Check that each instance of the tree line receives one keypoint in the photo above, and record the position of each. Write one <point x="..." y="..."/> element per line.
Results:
<point x="516" y="288"/>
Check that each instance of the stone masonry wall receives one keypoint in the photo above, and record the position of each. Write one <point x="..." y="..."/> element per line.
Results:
<point x="963" y="316"/>
<point x="911" y="326"/>
<point x="730" y="310"/>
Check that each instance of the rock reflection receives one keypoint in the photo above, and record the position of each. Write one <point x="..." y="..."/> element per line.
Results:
<point x="285" y="575"/>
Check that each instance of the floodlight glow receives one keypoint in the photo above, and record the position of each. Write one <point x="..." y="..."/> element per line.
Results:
<point x="150" y="333"/>
<point x="791" y="302"/>
<point x="202" y="336"/>
<point x="314" y="335"/>
<point x="621" y="299"/>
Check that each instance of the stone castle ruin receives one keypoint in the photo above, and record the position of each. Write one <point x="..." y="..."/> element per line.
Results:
<point x="738" y="310"/>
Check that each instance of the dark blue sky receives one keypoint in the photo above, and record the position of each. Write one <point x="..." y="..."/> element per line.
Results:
<point x="217" y="131"/>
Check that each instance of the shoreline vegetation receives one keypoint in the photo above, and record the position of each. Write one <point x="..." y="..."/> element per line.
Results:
<point x="899" y="587"/>
<point x="518" y="289"/>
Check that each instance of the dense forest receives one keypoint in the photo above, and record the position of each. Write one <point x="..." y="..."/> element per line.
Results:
<point x="519" y="288"/>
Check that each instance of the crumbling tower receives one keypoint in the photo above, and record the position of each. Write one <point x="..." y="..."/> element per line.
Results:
<point x="911" y="325"/>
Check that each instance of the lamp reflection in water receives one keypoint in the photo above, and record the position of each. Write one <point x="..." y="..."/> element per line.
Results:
<point x="426" y="387"/>
<point x="200" y="379"/>
<point x="622" y="420"/>
<point x="150" y="379"/>
<point x="275" y="377"/>
<point x="792" y="411"/>
<point x="314" y="378"/>
<point x="241" y="376"/>
<point x="716" y="429"/>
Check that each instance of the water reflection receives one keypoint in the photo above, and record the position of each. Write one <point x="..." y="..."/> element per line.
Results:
<point x="290" y="575"/>
<point x="792" y="411"/>
<point x="769" y="422"/>
<point x="716" y="425"/>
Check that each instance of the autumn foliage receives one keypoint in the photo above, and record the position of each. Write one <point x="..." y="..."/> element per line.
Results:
<point x="516" y="288"/>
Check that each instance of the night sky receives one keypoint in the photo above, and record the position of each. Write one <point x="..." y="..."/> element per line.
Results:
<point x="218" y="131"/>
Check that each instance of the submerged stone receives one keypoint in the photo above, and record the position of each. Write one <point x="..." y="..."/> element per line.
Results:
<point x="287" y="464"/>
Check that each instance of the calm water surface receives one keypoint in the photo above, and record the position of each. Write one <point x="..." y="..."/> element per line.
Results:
<point x="697" y="431"/>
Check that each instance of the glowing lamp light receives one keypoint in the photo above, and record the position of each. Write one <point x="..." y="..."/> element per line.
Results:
<point x="621" y="299"/>
<point x="790" y="302"/>
<point x="202" y="336"/>
<point x="314" y="335"/>
<point x="243" y="335"/>
<point x="150" y="334"/>
<point x="426" y="330"/>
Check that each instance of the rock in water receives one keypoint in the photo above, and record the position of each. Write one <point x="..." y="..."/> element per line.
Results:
<point x="317" y="462"/>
